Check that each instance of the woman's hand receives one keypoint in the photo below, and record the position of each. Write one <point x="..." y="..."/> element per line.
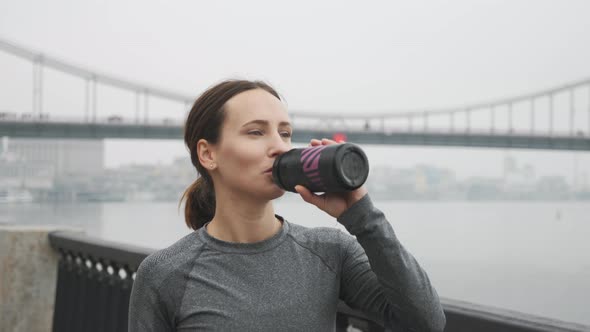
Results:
<point x="333" y="204"/>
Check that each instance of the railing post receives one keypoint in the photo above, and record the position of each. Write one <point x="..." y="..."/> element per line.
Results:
<point x="94" y="98"/>
<point x="492" y="118"/>
<point x="34" y="88"/>
<point x="85" y="271"/>
<point x="87" y="101"/>
<point x="510" y="127"/>
<point x="102" y="301"/>
<point x="145" y="106"/>
<point x="572" y="111"/>
<point x="37" y="107"/>
<point x="532" y="109"/>
<point x="137" y="106"/>
<point x="41" y="60"/>
<point x="77" y="288"/>
<point x="125" y="289"/>
<point x="468" y="120"/>
<point x="63" y="313"/>
<point x="91" y="323"/>
<point x="550" y="114"/>
<point x="114" y="306"/>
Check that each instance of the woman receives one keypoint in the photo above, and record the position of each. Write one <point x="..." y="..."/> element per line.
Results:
<point x="246" y="268"/>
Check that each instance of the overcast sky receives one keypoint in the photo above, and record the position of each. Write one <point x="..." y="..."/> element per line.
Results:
<point x="328" y="56"/>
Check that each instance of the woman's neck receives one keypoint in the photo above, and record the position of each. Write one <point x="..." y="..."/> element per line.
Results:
<point x="243" y="220"/>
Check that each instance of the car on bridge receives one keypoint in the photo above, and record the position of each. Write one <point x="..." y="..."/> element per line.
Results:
<point x="115" y="119"/>
<point x="7" y="116"/>
<point x="34" y="116"/>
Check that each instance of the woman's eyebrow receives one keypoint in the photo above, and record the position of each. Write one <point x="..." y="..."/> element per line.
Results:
<point x="266" y="123"/>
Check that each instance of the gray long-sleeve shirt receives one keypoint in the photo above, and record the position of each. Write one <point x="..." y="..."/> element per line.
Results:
<point x="289" y="282"/>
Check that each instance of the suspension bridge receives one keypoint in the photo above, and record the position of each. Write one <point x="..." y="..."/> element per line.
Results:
<point x="530" y="121"/>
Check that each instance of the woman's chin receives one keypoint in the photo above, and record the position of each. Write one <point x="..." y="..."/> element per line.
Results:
<point x="274" y="193"/>
<point x="277" y="193"/>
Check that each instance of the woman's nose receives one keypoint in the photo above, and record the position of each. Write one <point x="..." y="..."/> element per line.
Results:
<point x="279" y="146"/>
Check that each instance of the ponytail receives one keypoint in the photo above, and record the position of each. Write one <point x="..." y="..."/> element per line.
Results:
<point x="200" y="202"/>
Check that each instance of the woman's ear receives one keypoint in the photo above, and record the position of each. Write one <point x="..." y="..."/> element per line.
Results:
<point x="206" y="154"/>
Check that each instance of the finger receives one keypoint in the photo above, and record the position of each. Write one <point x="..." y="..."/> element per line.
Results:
<point x="326" y="141"/>
<point x="315" y="142"/>
<point x="304" y="192"/>
<point x="308" y="196"/>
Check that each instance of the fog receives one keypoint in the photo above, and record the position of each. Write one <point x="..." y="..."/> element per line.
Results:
<point x="331" y="56"/>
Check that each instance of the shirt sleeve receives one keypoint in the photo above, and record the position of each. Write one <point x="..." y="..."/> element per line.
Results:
<point x="381" y="278"/>
<point x="147" y="311"/>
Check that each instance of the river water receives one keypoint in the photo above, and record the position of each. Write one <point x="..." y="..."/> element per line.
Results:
<point x="532" y="257"/>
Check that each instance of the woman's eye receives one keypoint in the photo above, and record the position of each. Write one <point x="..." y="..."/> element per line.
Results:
<point x="286" y="134"/>
<point x="255" y="132"/>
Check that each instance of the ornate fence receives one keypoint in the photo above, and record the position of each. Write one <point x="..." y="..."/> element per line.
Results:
<point x="95" y="279"/>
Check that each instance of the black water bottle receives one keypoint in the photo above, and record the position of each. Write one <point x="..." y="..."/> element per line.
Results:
<point x="322" y="168"/>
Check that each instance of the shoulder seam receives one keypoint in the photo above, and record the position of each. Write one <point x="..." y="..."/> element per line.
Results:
<point x="201" y="249"/>
<point x="313" y="252"/>
<point x="163" y="283"/>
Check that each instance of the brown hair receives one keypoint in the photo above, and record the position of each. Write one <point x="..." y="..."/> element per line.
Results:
<point x="204" y="122"/>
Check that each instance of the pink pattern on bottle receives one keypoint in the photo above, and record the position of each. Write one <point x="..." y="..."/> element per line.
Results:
<point x="310" y="159"/>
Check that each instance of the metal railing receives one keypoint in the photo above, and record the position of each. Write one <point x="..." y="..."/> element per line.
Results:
<point x="94" y="282"/>
<point x="95" y="279"/>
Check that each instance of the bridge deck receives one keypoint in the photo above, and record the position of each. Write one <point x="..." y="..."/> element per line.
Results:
<point x="457" y="139"/>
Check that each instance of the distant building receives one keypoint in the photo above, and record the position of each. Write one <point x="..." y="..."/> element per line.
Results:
<point x="552" y="187"/>
<point x="65" y="156"/>
<point x="36" y="163"/>
<point x="518" y="180"/>
<point x="18" y="174"/>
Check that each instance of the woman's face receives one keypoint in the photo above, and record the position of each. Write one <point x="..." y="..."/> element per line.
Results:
<point x="255" y="131"/>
